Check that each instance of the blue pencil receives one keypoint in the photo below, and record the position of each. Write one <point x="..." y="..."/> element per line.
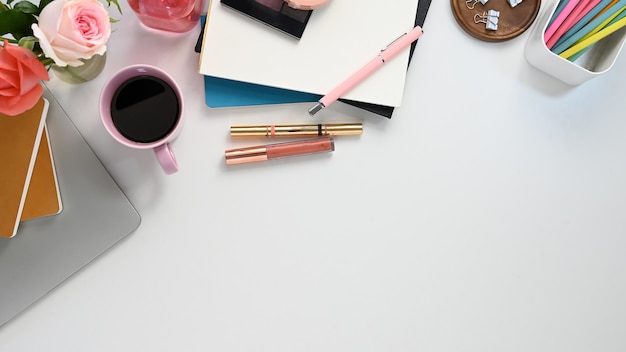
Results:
<point x="589" y="27"/>
<point x="580" y="53"/>
<point x="583" y="21"/>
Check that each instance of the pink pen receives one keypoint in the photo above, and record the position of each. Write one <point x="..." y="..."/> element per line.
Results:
<point x="386" y="54"/>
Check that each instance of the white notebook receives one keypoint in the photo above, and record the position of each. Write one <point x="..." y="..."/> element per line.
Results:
<point x="340" y="37"/>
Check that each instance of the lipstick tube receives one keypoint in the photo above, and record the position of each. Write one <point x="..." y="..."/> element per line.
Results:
<point x="274" y="151"/>
<point x="307" y="130"/>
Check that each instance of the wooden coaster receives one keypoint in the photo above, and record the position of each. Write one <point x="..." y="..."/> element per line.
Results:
<point x="513" y="21"/>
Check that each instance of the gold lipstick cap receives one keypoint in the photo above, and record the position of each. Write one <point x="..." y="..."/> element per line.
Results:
<point x="245" y="155"/>
<point x="343" y="129"/>
<point x="249" y="131"/>
<point x="336" y="129"/>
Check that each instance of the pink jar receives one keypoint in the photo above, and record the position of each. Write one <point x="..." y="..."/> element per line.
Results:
<point x="168" y="15"/>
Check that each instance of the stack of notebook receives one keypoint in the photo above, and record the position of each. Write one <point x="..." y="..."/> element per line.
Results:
<point x="245" y="62"/>
<point x="28" y="183"/>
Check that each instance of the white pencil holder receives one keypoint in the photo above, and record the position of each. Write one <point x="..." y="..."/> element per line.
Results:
<point x="596" y="61"/>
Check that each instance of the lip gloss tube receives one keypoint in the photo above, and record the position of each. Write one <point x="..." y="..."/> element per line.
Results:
<point x="280" y="150"/>
<point x="304" y="130"/>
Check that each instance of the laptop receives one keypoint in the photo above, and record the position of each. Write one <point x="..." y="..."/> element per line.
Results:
<point x="96" y="215"/>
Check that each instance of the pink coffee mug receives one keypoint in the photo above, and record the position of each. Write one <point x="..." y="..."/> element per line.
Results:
<point x="141" y="107"/>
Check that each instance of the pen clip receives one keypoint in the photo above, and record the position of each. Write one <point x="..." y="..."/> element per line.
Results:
<point x="395" y="40"/>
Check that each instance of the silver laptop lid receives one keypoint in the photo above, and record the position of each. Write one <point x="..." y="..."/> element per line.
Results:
<point x="96" y="215"/>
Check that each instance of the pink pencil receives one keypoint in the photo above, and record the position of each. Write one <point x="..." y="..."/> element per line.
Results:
<point x="589" y="7"/>
<point x="559" y="19"/>
<point x="577" y="13"/>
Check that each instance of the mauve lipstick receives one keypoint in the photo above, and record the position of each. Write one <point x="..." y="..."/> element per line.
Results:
<point x="280" y="150"/>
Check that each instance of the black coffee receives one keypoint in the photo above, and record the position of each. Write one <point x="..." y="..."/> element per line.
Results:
<point x="145" y="109"/>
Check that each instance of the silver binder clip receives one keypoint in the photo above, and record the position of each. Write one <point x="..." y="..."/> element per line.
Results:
<point x="471" y="3"/>
<point x="489" y="18"/>
<point x="514" y="3"/>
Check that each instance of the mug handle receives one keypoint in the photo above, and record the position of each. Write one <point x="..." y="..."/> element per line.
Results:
<point x="166" y="158"/>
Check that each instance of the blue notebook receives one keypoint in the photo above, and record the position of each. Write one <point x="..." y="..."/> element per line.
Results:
<point x="221" y="93"/>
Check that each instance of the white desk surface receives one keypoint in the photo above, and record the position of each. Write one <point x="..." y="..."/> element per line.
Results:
<point x="487" y="215"/>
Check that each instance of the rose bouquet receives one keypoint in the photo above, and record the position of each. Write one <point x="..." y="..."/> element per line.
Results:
<point x="34" y="37"/>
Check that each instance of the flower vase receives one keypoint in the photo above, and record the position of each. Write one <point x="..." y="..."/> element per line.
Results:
<point x="176" y="16"/>
<point x="89" y="70"/>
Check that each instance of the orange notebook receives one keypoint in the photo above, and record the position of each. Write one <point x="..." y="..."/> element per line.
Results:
<point x="20" y="137"/>
<point x="43" y="197"/>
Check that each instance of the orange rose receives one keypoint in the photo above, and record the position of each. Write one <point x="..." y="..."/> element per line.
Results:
<point x="20" y="76"/>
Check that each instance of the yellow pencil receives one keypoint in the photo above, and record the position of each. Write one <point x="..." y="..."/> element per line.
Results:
<point x="593" y="38"/>
<point x="601" y="25"/>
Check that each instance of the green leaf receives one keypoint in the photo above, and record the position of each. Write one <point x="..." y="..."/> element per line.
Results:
<point x="116" y="3"/>
<point x="16" y="23"/>
<point x="9" y="2"/>
<point x="3" y="7"/>
<point x="26" y="7"/>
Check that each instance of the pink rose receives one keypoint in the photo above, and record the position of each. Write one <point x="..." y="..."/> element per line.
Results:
<point x="70" y="30"/>
<point x="20" y="74"/>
